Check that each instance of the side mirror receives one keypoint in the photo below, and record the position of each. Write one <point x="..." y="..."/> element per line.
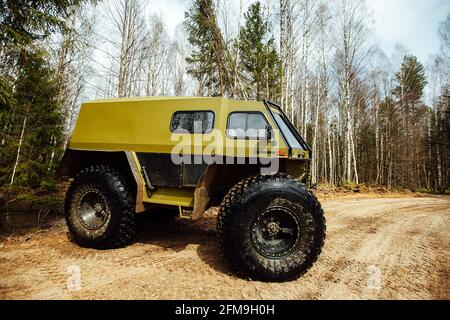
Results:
<point x="268" y="133"/>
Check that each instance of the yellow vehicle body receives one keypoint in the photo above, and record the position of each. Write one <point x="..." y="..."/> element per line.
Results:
<point x="142" y="126"/>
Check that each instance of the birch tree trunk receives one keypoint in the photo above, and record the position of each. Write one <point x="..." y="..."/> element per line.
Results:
<point x="127" y="18"/>
<point x="19" y="147"/>
<point x="353" y="50"/>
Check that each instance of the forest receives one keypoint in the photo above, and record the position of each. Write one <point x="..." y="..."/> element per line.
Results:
<point x="370" y="119"/>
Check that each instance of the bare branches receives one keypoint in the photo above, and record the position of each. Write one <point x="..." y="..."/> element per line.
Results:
<point x="335" y="85"/>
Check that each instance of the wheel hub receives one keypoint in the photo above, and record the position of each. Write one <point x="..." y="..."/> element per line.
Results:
<point x="273" y="228"/>
<point x="276" y="232"/>
<point x="93" y="211"/>
<point x="98" y="207"/>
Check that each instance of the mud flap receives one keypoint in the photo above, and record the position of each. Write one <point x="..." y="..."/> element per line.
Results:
<point x="201" y="194"/>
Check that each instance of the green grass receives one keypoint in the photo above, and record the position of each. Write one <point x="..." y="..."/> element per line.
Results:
<point x="435" y="192"/>
<point x="349" y="185"/>
<point x="47" y="198"/>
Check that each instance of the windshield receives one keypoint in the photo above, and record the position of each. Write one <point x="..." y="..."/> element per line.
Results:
<point x="287" y="133"/>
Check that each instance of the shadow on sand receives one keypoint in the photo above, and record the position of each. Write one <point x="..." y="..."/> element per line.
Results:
<point x="161" y="227"/>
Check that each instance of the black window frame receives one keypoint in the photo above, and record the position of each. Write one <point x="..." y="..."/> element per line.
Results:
<point x="193" y="111"/>
<point x="245" y="129"/>
<point x="269" y="105"/>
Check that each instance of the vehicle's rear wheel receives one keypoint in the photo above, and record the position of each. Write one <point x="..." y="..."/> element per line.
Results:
<point x="271" y="227"/>
<point x="99" y="209"/>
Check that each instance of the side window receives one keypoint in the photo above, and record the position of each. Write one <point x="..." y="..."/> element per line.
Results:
<point x="237" y="122"/>
<point x="192" y="121"/>
<point x="243" y="125"/>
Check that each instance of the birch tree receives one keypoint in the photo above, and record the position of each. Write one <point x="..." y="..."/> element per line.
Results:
<point x="156" y="55"/>
<point x="177" y="62"/>
<point x="127" y="17"/>
<point x="353" y="48"/>
<point x="323" y="18"/>
<point x="288" y="15"/>
<point x="72" y="62"/>
<point x="307" y="31"/>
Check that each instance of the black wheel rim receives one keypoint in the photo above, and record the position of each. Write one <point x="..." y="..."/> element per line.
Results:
<point x="93" y="211"/>
<point x="276" y="232"/>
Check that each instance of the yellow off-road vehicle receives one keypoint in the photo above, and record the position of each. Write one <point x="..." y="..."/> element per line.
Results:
<point x="128" y="155"/>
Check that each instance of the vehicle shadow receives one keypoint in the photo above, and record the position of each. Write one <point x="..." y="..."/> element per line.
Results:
<point x="162" y="228"/>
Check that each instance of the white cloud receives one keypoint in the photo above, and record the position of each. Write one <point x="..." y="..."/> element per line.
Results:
<point x="413" y="23"/>
<point x="172" y="11"/>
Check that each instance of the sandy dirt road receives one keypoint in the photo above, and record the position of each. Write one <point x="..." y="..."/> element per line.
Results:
<point x="387" y="248"/>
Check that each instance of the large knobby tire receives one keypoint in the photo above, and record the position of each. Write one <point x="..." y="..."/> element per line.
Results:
<point x="271" y="228"/>
<point x="99" y="209"/>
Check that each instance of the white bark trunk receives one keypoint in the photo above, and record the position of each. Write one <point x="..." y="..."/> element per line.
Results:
<point x="18" y="150"/>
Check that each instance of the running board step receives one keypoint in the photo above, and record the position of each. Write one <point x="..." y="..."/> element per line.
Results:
<point x="185" y="213"/>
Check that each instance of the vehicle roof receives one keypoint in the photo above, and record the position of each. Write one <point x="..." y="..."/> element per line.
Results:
<point x="143" y="124"/>
<point x="165" y="98"/>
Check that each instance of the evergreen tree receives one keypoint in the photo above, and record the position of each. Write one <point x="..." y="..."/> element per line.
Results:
<point x="24" y="21"/>
<point x="410" y="80"/>
<point x="438" y="144"/>
<point x="208" y="61"/>
<point x="409" y="90"/>
<point x="30" y="149"/>
<point x="30" y="117"/>
<point x="5" y="105"/>
<point x="259" y="56"/>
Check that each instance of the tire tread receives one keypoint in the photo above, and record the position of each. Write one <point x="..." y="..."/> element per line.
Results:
<point x="228" y="211"/>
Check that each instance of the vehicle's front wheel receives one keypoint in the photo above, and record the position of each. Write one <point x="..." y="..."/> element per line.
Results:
<point x="99" y="209"/>
<point x="271" y="227"/>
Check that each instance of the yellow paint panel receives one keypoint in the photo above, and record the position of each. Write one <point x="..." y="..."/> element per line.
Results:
<point x="143" y="125"/>
<point x="171" y="196"/>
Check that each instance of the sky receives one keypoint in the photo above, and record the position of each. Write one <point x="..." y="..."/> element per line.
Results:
<point x="414" y="23"/>
<point x="171" y="10"/>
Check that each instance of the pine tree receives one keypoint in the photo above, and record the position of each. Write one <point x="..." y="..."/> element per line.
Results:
<point x="23" y="22"/>
<point x="209" y="61"/>
<point x="411" y="80"/>
<point x="409" y="90"/>
<point x="438" y="144"/>
<point x="26" y="157"/>
<point x="259" y="56"/>
<point x="6" y="101"/>
<point x="30" y="111"/>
